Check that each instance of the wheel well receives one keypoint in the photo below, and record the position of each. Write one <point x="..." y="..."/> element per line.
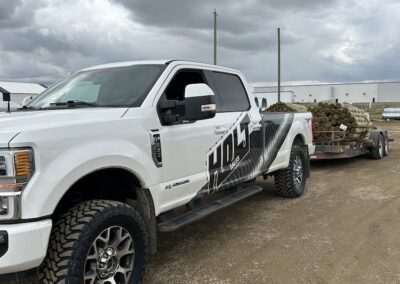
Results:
<point x="298" y="140"/>
<point x="110" y="184"/>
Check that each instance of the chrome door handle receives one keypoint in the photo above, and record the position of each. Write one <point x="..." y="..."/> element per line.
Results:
<point x="257" y="126"/>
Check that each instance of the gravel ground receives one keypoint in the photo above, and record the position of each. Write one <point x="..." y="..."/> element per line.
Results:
<point x="345" y="229"/>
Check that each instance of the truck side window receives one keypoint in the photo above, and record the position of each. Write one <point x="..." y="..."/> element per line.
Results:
<point x="176" y="88"/>
<point x="230" y="92"/>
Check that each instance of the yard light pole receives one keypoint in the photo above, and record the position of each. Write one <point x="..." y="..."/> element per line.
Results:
<point x="279" y="64"/>
<point x="215" y="36"/>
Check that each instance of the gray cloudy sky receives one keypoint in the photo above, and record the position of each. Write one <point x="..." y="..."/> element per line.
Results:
<point x="322" y="40"/>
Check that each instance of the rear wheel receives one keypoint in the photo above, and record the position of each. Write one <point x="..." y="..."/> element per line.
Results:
<point x="378" y="150"/>
<point x="291" y="182"/>
<point x="97" y="241"/>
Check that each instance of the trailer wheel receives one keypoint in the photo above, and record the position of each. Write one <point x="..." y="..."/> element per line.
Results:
<point x="377" y="151"/>
<point x="291" y="182"/>
<point x="97" y="241"/>
<point x="386" y="145"/>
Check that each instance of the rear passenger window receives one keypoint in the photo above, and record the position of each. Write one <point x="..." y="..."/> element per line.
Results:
<point x="231" y="93"/>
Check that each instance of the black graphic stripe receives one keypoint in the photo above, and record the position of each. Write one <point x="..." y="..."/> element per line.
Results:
<point x="227" y="168"/>
<point x="276" y="128"/>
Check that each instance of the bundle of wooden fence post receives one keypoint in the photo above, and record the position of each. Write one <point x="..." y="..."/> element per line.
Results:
<point x="286" y="107"/>
<point x="329" y="117"/>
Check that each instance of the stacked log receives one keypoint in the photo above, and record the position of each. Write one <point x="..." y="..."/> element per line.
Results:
<point x="286" y="107"/>
<point x="329" y="117"/>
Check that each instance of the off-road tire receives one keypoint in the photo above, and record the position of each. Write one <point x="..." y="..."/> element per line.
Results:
<point x="378" y="150"/>
<point x="73" y="234"/>
<point x="284" y="179"/>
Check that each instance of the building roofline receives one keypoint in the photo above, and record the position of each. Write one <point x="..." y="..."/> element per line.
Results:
<point x="4" y="91"/>
<point x="327" y="84"/>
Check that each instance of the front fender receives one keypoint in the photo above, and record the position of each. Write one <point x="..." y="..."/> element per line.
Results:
<point x="51" y="182"/>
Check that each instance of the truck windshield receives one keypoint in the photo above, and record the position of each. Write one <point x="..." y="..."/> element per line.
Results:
<point x="108" y="87"/>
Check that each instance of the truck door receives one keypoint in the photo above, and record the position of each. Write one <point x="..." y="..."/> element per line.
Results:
<point x="184" y="146"/>
<point x="237" y="154"/>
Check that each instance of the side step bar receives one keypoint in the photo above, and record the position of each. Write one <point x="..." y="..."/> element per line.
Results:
<point x="188" y="217"/>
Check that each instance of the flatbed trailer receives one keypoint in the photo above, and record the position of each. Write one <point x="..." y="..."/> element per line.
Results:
<point x="377" y="146"/>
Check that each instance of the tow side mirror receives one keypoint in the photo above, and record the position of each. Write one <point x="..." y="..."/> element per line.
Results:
<point x="199" y="102"/>
<point x="172" y="111"/>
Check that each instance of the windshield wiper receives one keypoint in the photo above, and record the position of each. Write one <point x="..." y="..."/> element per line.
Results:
<point x="73" y="104"/>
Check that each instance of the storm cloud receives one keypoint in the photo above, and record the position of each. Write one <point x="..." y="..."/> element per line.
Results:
<point x="339" y="40"/>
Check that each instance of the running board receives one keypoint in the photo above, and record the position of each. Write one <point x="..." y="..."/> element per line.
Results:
<point x="197" y="213"/>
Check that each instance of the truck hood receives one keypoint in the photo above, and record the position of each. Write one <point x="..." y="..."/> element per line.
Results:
<point x="11" y="124"/>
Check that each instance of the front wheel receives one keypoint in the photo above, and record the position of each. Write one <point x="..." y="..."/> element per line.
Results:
<point x="98" y="241"/>
<point x="291" y="182"/>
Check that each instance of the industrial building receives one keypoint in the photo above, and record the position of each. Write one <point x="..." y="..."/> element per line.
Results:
<point x="19" y="91"/>
<point x="365" y="92"/>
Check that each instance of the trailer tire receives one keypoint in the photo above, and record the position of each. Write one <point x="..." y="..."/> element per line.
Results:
<point x="291" y="182"/>
<point x="92" y="232"/>
<point x="378" y="150"/>
<point x="386" y="148"/>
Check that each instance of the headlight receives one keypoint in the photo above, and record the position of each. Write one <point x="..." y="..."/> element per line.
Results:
<point x="10" y="206"/>
<point x="16" y="169"/>
<point x="4" y="206"/>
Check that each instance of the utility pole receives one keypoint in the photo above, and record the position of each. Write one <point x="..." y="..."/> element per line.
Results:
<point x="215" y="36"/>
<point x="279" y="64"/>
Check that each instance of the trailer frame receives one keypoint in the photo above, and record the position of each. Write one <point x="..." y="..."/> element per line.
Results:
<point x="337" y="148"/>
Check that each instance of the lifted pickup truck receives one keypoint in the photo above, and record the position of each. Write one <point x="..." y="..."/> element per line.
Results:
<point x="93" y="167"/>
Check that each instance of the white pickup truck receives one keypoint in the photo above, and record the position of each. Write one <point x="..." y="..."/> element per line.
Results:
<point x="93" y="167"/>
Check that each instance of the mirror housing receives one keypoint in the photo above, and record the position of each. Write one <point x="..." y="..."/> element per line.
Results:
<point x="172" y="111"/>
<point x="199" y="102"/>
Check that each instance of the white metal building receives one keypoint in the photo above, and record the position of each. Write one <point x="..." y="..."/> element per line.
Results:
<point x="19" y="91"/>
<point x="336" y="92"/>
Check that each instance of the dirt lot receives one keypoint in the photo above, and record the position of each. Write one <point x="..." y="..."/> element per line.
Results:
<point x="345" y="229"/>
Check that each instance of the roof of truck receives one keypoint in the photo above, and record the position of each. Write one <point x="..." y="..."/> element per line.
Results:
<point x="127" y="63"/>
<point x="155" y="62"/>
